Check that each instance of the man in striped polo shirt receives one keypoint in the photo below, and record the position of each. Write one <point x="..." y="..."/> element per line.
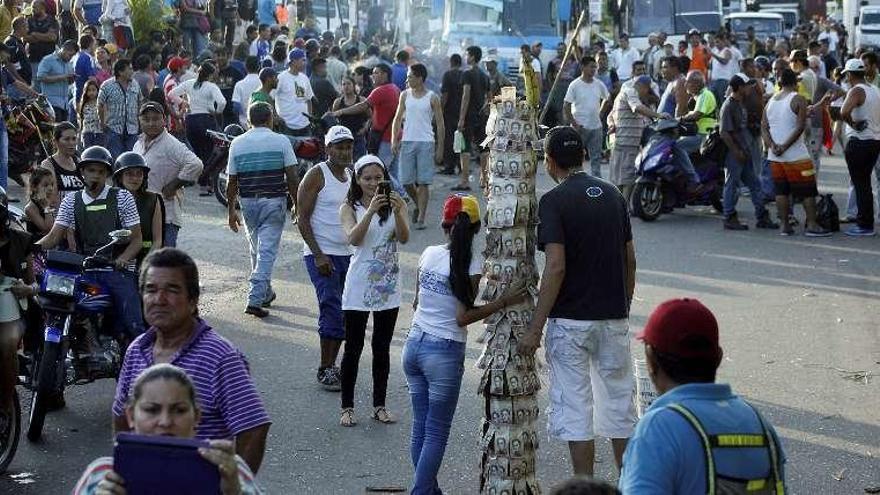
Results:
<point x="261" y="169"/>
<point x="228" y="400"/>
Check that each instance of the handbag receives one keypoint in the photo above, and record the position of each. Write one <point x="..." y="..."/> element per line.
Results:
<point x="713" y="146"/>
<point x="827" y="213"/>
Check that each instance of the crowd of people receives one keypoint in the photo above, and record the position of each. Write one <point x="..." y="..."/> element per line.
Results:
<point x="136" y="115"/>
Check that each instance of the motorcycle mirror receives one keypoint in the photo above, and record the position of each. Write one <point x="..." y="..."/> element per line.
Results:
<point x="120" y="235"/>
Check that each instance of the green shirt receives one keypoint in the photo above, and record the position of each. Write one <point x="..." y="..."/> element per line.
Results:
<point x="706" y="105"/>
<point x="261" y="96"/>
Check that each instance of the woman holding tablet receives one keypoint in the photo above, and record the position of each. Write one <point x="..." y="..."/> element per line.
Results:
<point x="163" y="402"/>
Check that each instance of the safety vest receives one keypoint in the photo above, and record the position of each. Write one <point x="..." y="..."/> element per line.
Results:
<point x="718" y="484"/>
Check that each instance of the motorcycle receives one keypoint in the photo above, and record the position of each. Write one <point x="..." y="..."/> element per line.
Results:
<point x="73" y="309"/>
<point x="309" y="150"/>
<point x="29" y="126"/>
<point x="661" y="185"/>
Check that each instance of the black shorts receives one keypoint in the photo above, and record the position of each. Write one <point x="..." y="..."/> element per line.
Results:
<point x="475" y="133"/>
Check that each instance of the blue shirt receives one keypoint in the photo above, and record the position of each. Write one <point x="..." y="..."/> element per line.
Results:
<point x="266" y="11"/>
<point x="665" y="454"/>
<point x="84" y="69"/>
<point x="56" y="92"/>
<point x="398" y="75"/>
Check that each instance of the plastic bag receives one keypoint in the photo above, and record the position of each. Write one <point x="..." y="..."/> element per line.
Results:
<point x="458" y="142"/>
<point x="827" y="213"/>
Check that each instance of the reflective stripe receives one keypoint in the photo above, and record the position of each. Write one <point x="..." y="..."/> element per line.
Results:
<point x="738" y="440"/>
<point x="707" y="447"/>
<point x="756" y="485"/>
<point x="100" y="207"/>
<point x="148" y="244"/>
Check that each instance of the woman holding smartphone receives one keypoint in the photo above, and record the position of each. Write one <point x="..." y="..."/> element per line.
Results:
<point x="374" y="220"/>
<point x="163" y="402"/>
<point x="433" y="358"/>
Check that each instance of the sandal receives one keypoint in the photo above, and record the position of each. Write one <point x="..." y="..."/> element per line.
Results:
<point x="383" y="416"/>
<point x="347" y="418"/>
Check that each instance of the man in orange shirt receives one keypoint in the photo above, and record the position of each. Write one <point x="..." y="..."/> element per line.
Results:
<point x="698" y="53"/>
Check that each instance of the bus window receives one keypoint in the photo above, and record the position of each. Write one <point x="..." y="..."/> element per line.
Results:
<point x="649" y="16"/>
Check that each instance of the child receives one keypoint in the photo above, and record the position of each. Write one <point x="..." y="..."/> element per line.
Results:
<point x="87" y="110"/>
<point x="40" y="209"/>
<point x="130" y="173"/>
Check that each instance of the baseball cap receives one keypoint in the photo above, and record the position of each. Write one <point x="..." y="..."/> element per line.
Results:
<point x="739" y="80"/>
<point x="562" y="140"/>
<point x="151" y="106"/>
<point x="336" y="134"/>
<point x="266" y="73"/>
<point x="854" y="65"/>
<point x="367" y="160"/>
<point x="296" y="54"/>
<point x="646" y="80"/>
<point x="460" y="203"/>
<point x="683" y="328"/>
<point x="176" y="63"/>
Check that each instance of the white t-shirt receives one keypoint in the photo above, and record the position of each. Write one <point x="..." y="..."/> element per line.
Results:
<point x="586" y="99"/>
<point x="832" y="38"/>
<point x="622" y="61"/>
<point x="721" y="70"/>
<point x="438" y="306"/>
<point x="241" y="94"/>
<point x="293" y="96"/>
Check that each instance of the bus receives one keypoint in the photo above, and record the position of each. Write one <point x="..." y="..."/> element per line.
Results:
<point x="674" y="17"/>
<point x="505" y="25"/>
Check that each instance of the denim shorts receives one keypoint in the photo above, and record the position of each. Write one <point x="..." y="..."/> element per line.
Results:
<point x="416" y="162"/>
<point x="591" y="379"/>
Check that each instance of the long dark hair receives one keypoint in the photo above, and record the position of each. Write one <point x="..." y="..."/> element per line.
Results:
<point x="205" y="71"/>
<point x="461" y="240"/>
<point x="356" y="193"/>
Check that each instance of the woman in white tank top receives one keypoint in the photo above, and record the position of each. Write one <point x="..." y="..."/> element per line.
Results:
<point x="861" y="113"/>
<point x="374" y="223"/>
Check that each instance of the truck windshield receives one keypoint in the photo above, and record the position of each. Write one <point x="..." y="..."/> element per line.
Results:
<point x="771" y="26"/>
<point x="870" y="18"/>
<point x="478" y="15"/>
<point x="649" y="16"/>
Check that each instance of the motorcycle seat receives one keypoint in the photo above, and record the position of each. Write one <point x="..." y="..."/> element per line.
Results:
<point x="64" y="260"/>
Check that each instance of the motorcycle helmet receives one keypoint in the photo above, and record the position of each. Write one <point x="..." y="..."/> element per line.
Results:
<point x="233" y="130"/>
<point x="129" y="160"/>
<point x="96" y="154"/>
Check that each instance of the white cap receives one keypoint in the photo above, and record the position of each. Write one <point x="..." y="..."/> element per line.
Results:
<point x="742" y="77"/>
<point x="854" y="65"/>
<point x="336" y="134"/>
<point x="367" y="160"/>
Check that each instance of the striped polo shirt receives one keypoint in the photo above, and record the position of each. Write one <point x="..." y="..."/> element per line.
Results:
<point x="225" y="392"/>
<point x="259" y="157"/>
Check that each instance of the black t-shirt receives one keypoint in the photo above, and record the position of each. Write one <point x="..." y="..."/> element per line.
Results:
<point x="40" y="49"/>
<point x="325" y="93"/>
<point x="18" y="57"/>
<point x="589" y="217"/>
<point x="14" y="253"/>
<point x="451" y="86"/>
<point x="479" y="83"/>
<point x="227" y="77"/>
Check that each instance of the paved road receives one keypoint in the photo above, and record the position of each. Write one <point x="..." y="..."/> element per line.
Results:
<point x="796" y="315"/>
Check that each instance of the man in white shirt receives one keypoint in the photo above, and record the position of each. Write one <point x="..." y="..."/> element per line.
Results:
<point x="583" y="101"/>
<point x="831" y="36"/>
<point x="241" y="93"/>
<point x="724" y="65"/>
<point x="294" y="96"/>
<point x="622" y="58"/>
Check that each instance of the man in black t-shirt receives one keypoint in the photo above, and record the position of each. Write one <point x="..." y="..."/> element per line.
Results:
<point x="450" y="100"/>
<point x="473" y="115"/>
<point x="42" y="32"/>
<point x="586" y="289"/>
<point x="227" y="77"/>
<point x="21" y="67"/>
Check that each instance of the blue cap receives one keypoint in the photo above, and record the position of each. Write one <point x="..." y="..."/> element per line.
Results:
<point x="646" y="80"/>
<point x="296" y="54"/>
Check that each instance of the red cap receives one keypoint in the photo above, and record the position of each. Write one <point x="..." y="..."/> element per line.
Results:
<point x="683" y="328"/>
<point x="176" y="63"/>
<point x="460" y="203"/>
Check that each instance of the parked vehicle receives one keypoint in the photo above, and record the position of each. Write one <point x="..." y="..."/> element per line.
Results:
<point x="77" y="346"/>
<point x="661" y="185"/>
<point x="790" y="18"/>
<point x="765" y="24"/>
<point x="29" y="125"/>
<point x="868" y="29"/>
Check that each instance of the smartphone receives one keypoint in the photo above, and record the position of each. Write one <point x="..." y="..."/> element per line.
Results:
<point x="157" y="464"/>
<point x="385" y="188"/>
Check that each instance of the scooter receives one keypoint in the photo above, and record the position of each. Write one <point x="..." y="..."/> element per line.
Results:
<point x="68" y="301"/>
<point x="661" y="185"/>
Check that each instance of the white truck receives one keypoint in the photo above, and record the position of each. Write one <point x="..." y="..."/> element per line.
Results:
<point x="868" y="29"/>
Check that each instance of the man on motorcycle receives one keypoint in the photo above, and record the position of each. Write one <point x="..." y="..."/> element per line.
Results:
<point x="91" y="214"/>
<point x="703" y="115"/>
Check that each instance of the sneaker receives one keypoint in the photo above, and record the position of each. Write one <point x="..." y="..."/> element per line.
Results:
<point x="856" y="231"/>
<point x="764" y="222"/>
<point x="256" y="311"/>
<point x="329" y="379"/>
<point x="420" y="226"/>
<point x="820" y="232"/>
<point x="733" y="223"/>
<point x="268" y="302"/>
<point x="848" y="220"/>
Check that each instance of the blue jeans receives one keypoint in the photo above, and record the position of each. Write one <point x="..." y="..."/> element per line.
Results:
<point x="718" y="87"/>
<point x="263" y="223"/>
<point x="390" y="162"/>
<point x="123" y="289"/>
<point x="433" y="368"/>
<point x="360" y="147"/>
<point x="169" y="235"/>
<point x="329" y="293"/>
<point x="194" y="39"/>
<point x="90" y="139"/>
<point x="684" y="146"/>
<point x="741" y="173"/>
<point x="118" y="144"/>
<point x="592" y="139"/>
<point x="4" y="154"/>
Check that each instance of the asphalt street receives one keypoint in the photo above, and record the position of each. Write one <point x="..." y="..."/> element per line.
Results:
<point x="798" y="325"/>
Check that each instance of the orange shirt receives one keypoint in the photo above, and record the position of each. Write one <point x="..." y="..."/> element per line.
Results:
<point x="699" y="59"/>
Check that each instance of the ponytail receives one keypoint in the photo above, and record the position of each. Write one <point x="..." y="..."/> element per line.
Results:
<point x="205" y="72"/>
<point x="461" y="240"/>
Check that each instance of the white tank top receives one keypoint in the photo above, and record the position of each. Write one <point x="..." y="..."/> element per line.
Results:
<point x="418" y="117"/>
<point x="371" y="283"/>
<point x="782" y="123"/>
<point x="326" y="224"/>
<point x="868" y="111"/>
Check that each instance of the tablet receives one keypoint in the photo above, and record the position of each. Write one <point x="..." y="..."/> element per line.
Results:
<point x="158" y="465"/>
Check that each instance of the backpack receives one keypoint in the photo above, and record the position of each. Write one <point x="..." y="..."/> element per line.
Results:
<point x="718" y="484"/>
<point x="827" y="214"/>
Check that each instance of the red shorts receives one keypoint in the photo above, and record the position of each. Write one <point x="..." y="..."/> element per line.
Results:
<point x="797" y="179"/>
